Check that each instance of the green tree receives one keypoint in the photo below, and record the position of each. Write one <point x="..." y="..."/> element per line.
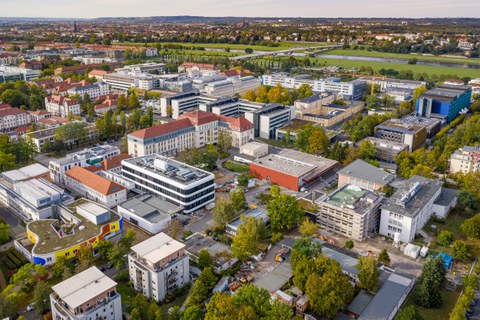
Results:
<point x="427" y="291"/>
<point x="349" y="244"/>
<point x="7" y="161"/>
<point x="418" y="92"/>
<point x="258" y="299"/>
<point x="224" y="142"/>
<point x="471" y="227"/>
<point x="150" y="116"/>
<point x="243" y="179"/>
<point x="249" y="234"/>
<point x="4" y="233"/>
<point x="61" y="264"/>
<point x="369" y="273"/>
<point x="279" y="311"/>
<point x="366" y="150"/>
<point x="41" y="295"/>
<point x="238" y="200"/>
<point x="121" y="102"/>
<point x="193" y="313"/>
<point x="409" y="313"/>
<point x="374" y="102"/>
<point x="461" y="251"/>
<point x="135" y="118"/>
<point x="85" y="259"/>
<point x="71" y="133"/>
<point x="308" y="228"/>
<point x="471" y="280"/>
<point x="135" y="315"/>
<point x="284" y="212"/>
<point x="202" y="287"/>
<point x="7" y="308"/>
<point x="204" y="259"/>
<point x="445" y="238"/>
<point x="221" y="307"/>
<point x="383" y="257"/>
<point x="223" y="212"/>
<point x="133" y="102"/>
<point x="140" y="303"/>
<point x="153" y="312"/>
<point x="103" y="248"/>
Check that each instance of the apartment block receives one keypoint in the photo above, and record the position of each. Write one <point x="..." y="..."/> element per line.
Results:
<point x="61" y="106"/>
<point x="158" y="267"/>
<point x="93" y="90"/>
<point x="465" y="160"/>
<point x="11" y="118"/>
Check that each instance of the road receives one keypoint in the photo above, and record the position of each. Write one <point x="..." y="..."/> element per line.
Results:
<point x="16" y="228"/>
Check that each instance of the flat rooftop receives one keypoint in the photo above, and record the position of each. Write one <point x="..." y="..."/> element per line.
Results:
<point x="398" y="125"/>
<point x="412" y="195"/>
<point x="197" y="242"/>
<point x="168" y="168"/>
<point x="26" y="173"/>
<point x="296" y="163"/>
<point x="157" y="247"/>
<point x="445" y="92"/>
<point x="295" y="124"/>
<point x="151" y="208"/>
<point x="35" y="189"/>
<point x="49" y="239"/>
<point x="386" y="144"/>
<point x="255" y="213"/>
<point x="83" y="287"/>
<point x="352" y="197"/>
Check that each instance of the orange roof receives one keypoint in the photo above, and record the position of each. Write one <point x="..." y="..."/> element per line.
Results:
<point x="198" y="117"/>
<point x="39" y="112"/>
<point x="162" y="129"/>
<point x="200" y="65"/>
<point x="11" y="112"/>
<point x="5" y="106"/>
<point x="242" y="123"/>
<point x="114" y="162"/>
<point x="94" y="181"/>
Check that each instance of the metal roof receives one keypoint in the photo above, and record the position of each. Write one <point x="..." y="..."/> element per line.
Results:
<point x="360" y="169"/>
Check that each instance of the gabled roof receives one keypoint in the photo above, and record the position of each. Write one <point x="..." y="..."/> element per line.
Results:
<point x="94" y="181"/>
<point x="198" y="117"/>
<point x="11" y="112"/>
<point x="242" y="123"/>
<point x="162" y="129"/>
<point x="114" y="162"/>
<point x="362" y="170"/>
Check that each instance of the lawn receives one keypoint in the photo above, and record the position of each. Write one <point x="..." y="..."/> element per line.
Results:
<point x="282" y="46"/>
<point x="377" y="54"/>
<point x="236" y="166"/>
<point x="442" y="313"/>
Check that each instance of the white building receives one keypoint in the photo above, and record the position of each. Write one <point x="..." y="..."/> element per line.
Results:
<point x="12" y="73"/>
<point x="176" y="182"/>
<point x="465" y="160"/>
<point x="85" y="296"/>
<point x="61" y="106"/>
<point x="414" y="202"/>
<point x="158" y="266"/>
<point x="12" y="118"/>
<point x="93" y="90"/>
<point x="232" y="86"/>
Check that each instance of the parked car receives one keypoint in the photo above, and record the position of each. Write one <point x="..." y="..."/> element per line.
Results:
<point x="31" y="307"/>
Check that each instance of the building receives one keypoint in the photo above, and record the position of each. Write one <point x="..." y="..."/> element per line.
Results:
<point x="257" y="213"/>
<point x="465" y="160"/>
<point x="362" y="174"/>
<point x="414" y="202"/>
<point x="8" y="58"/>
<point x="158" y="267"/>
<point x="333" y="114"/>
<point x="61" y="106"/>
<point x="37" y="115"/>
<point x="314" y="101"/>
<point x="387" y="151"/>
<point x="87" y="295"/>
<point x="149" y="67"/>
<point x="350" y="211"/>
<point x="254" y="149"/>
<point x="148" y="212"/>
<point x="92" y="186"/>
<point x="33" y="171"/>
<point x="11" y="118"/>
<point x="93" y="90"/>
<point x="193" y="129"/>
<point x="175" y="105"/>
<point x="196" y="69"/>
<point x="292" y="169"/>
<point x="176" y="182"/>
<point x="232" y="86"/>
<point x="394" y="84"/>
<point x="413" y="135"/>
<point x="83" y="158"/>
<point x="11" y="73"/>
<point x="444" y="101"/>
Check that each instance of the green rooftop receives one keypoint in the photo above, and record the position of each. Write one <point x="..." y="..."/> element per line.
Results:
<point x="346" y="197"/>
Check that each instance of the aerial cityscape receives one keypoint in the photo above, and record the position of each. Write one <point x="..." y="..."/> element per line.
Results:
<point x="247" y="160"/>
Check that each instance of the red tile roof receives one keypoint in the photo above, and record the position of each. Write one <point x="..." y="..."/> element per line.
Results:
<point x="114" y="162"/>
<point x="59" y="119"/>
<point x="200" y="65"/>
<point x="242" y="123"/>
<point x="61" y="99"/>
<point x="5" y="106"/>
<point x="39" y="112"/>
<point x="94" y="181"/>
<point x="162" y="129"/>
<point x="11" y="112"/>
<point x="198" y="117"/>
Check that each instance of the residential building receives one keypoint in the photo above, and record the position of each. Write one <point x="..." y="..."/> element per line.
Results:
<point x="93" y="90"/>
<point x="11" y="118"/>
<point x="444" y="101"/>
<point x="362" y="174"/>
<point x="158" y="267"/>
<point x="193" y="129"/>
<point x="176" y="182"/>
<point x="232" y="86"/>
<point x="292" y="169"/>
<point x="413" y="135"/>
<point x="89" y="294"/>
<point x="148" y="212"/>
<point x="37" y="115"/>
<point x="350" y="211"/>
<point x="8" y="58"/>
<point x="465" y="160"/>
<point x="92" y="186"/>
<point x="80" y="223"/>
<point x="61" y="106"/>
<point x="83" y="158"/>
<point x="385" y="150"/>
<point x="414" y="202"/>
<point x="11" y="73"/>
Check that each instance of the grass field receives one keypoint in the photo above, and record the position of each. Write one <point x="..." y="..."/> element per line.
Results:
<point x="376" y="54"/>
<point x="442" y="313"/>
<point x="236" y="166"/>
<point x="282" y="46"/>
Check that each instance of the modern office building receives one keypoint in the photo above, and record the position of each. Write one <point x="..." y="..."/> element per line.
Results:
<point x="292" y="169"/>
<point x="12" y="73"/>
<point x="444" y="101"/>
<point x="158" y="267"/>
<point x="350" y="211"/>
<point x="175" y="105"/>
<point x="362" y="174"/>
<point x="232" y="86"/>
<point x="178" y="183"/>
<point x="332" y="114"/>
<point x="61" y="106"/>
<point x="87" y="295"/>
<point x="386" y="151"/>
<point x="465" y="160"/>
<point x="414" y="202"/>
<point x="413" y="135"/>
<point x="394" y="84"/>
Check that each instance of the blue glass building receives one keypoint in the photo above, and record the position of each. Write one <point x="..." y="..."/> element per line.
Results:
<point x="444" y="102"/>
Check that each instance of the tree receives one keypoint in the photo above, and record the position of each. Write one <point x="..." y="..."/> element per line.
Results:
<point x="369" y="273"/>
<point x="409" y="313"/>
<point x="224" y="141"/>
<point x="427" y="291"/>
<point x="249" y="234"/>
<point x="383" y="257"/>
<point x="349" y="244"/>
<point x="70" y="133"/>
<point x="467" y="200"/>
<point x="153" y="311"/>
<point x="248" y="50"/>
<point x="221" y="307"/>
<point x="121" y="102"/>
<point x="366" y="150"/>
<point x="279" y="311"/>
<point x="135" y="315"/>
<point x="149" y="116"/>
<point x="463" y="304"/>
<point x="445" y="238"/>
<point x="140" y="302"/>
<point x="308" y="228"/>
<point x="202" y="287"/>
<point x="103" y="248"/>
<point x="284" y="212"/>
<point x="128" y="238"/>
<point x="251" y="295"/>
<point x="4" y="233"/>
<point x="374" y="102"/>
<point x="61" y="264"/>
<point x="41" y="295"/>
<point x="136" y="117"/>
<point x="471" y="280"/>
<point x="461" y="251"/>
<point x="85" y="259"/>
<point x="204" y="259"/>
<point x="418" y="92"/>
<point x="312" y="139"/>
<point x="192" y="313"/>
<point x="471" y="227"/>
<point x="243" y="179"/>
<point x="238" y="200"/>
<point x="7" y="308"/>
<point x="223" y="212"/>
<point x="7" y="161"/>
<point x="133" y="102"/>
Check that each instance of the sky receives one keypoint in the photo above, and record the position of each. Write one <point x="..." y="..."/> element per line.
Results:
<point x="247" y="8"/>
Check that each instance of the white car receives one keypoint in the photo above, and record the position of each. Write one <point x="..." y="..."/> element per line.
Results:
<point x="31" y="307"/>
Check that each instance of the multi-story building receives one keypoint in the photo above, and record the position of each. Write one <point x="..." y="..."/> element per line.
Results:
<point x="11" y="73"/>
<point x="332" y="114"/>
<point x="351" y="211"/>
<point x="314" y="101"/>
<point x="193" y="129"/>
<point x="158" y="267"/>
<point x="80" y="223"/>
<point x="37" y="115"/>
<point x="232" y="86"/>
<point x="61" y="106"/>
<point x="150" y="67"/>
<point x="8" y="58"/>
<point x="395" y="84"/>
<point x="444" y="102"/>
<point x="178" y="183"/>
<point x="414" y="202"/>
<point x="362" y="174"/>
<point x="196" y="69"/>
<point x="175" y="105"/>
<point x="92" y="186"/>
<point x="11" y="118"/>
<point x="83" y="158"/>
<point x="465" y="160"/>
<point x="87" y="295"/>
<point x="93" y="90"/>
<point x="413" y="135"/>
<point x="385" y="150"/>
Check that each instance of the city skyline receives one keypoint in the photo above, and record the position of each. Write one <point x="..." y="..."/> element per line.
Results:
<point x="246" y="8"/>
